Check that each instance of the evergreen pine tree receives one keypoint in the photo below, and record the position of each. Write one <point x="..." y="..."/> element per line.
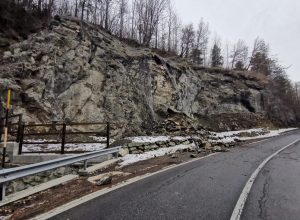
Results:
<point x="216" y="57"/>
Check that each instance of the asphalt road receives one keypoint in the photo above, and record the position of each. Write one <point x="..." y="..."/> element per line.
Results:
<point x="209" y="188"/>
<point x="276" y="193"/>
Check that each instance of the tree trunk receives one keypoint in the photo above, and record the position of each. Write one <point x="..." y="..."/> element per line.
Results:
<point x="76" y="9"/>
<point x="82" y="9"/>
<point x="106" y="15"/>
<point x="40" y="6"/>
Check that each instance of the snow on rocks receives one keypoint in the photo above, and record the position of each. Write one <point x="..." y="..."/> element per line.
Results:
<point x="154" y="139"/>
<point x="146" y="144"/>
<point x="134" y="158"/>
<point x="271" y="133"/>
<point x="243" y="135"/>
<point x="149" y="139"/>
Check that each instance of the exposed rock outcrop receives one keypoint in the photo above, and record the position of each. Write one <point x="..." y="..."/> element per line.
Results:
<point x="70" y="74"/>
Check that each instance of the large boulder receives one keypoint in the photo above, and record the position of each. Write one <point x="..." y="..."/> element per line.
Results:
<point x="105" y="180"/>
<point x="123" y="151"/>
<point x="7" y="55"/>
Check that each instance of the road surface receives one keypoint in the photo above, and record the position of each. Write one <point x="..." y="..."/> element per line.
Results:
<point x="209" y="188"/>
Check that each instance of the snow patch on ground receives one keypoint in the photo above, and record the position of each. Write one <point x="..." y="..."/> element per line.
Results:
<point x="95" y="138"/>
<point x="232" y="136"/>
<point x="272" y="133"/>
<point x="5" y="217"/>
<point x="134" y="158"/>
<point x="68" y="147"/>
<point x="235" y="133"/>
<point x="153" y="139"/>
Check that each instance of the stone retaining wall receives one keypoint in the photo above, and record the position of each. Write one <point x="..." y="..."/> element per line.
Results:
<point x="34" y="180"/>
<point x="139" y="148"/>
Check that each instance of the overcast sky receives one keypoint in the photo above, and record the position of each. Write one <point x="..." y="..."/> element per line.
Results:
<point x="276" y="21"/>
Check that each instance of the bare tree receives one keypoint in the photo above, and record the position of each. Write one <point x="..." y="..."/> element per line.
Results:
<point x="149" y="15"/>
<point x="39" y="6"/>
<point x="170" y="23"/>
<point x="202" y="37"/>
<point x="297" y="91"/>
<point x="82" y="5"/>
<point x="163" y="37"/>
<point x="123" y="10"/>
<point x="107" y="4"/>
<point x="187" y="40"/>
<point x="95" y="11"/>
<point x="259" y="47"/>
<point x="239" y="55"/>
<point x="133" y="19"/>
<point x="76" y="8"/>
<point x="176" y="30"/>
<point x="227" y="55"/>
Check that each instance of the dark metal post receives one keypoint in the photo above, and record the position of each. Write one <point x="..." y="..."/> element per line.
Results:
<point x="1" y="127"/>
<point x="107" y="134"/>
<point x="5" y="139"/>
<point x="21" y="138"/>
<point x="63" y="139"/>
<point x="6" y="126"/>
<point x="3" y="157"/>
<point x="2" y="191"/>
<point x="19" y="128"/>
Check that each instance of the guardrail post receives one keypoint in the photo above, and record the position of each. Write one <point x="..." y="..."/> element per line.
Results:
<point x="2" y="193"/>
<point x="63" y="139"/>
<point x="21" y="138"/>
<point x="107" y="134"/>
<point x="83" y="171"/>
<point x="85" y="164"/>
<point x="19" y="128"/>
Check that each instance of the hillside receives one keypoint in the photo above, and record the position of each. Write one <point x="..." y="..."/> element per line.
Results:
<point x="65" y="73"/>
<point x="16" y="23"/>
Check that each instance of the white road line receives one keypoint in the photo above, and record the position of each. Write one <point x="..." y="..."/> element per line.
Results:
<point x="96" y="194"/>
<point x="237" y="212"/>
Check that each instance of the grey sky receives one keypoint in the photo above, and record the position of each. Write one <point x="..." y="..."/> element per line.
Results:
<point x="276" y="21"/>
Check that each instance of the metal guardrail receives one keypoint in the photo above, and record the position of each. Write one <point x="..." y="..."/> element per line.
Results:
<point x="11" y="174"/>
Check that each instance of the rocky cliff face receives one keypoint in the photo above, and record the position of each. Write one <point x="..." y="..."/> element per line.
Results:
<point x="67" y="74"/>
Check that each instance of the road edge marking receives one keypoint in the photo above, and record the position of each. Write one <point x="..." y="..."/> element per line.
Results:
<point x="238" y="209"/>
<point x="104" y="191"/>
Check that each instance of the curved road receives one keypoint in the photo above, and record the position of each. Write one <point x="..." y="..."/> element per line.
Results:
<point x="209" y="188"/>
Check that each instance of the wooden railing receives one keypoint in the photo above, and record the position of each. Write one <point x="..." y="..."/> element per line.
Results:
<point x="61" y="130"/>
